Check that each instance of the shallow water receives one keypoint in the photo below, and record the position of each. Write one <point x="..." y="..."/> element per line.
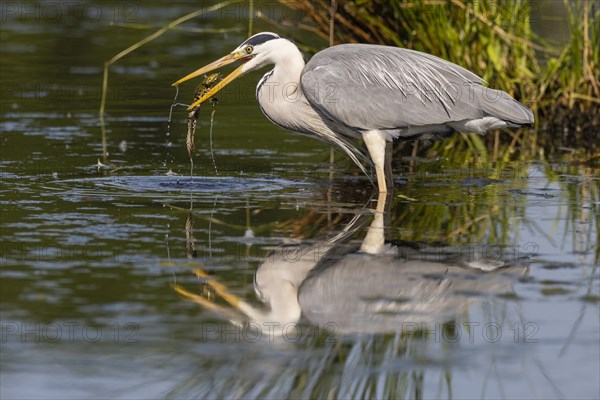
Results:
<point x="484" y="284"/>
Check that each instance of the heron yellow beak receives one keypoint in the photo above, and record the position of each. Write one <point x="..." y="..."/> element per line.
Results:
<point x="228" y="59"/>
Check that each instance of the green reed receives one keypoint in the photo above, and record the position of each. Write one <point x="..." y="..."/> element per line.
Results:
<point x="492" y="38"/>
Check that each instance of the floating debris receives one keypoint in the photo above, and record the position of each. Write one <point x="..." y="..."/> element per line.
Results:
<point x="101" y="166"/>
<point x="403" y="197"/>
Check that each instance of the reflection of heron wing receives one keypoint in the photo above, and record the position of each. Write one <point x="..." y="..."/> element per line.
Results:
<point x="360" y="292"/>
<point x="380" y="87"/>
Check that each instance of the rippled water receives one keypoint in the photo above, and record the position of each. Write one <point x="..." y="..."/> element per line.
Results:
<point x="271" y="279"/>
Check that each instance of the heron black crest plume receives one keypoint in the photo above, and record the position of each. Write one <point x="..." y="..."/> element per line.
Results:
<point x="260" y="38"/>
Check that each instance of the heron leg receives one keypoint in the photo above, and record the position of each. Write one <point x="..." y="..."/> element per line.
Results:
<point x="376" y="144"/>
<point x="388" y="164"/>
<point x="374" y="241"/>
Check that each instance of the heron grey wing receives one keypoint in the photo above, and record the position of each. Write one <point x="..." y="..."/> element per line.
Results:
<point x="380" y="87"/>
<point x="504" y="107"/>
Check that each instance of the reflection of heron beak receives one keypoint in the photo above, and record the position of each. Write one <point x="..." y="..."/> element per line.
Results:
<point x="228" y="59"/>
<point x="219" y="288"/>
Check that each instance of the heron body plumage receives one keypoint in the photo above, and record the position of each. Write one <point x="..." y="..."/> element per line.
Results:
<point x="403" y="92"/>
<point x="370" y="92"/>
<point x="282" y="100"/>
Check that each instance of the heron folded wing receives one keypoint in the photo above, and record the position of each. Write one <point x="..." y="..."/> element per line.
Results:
<point x="380" y="87"/>
<point x="502" y="106"/>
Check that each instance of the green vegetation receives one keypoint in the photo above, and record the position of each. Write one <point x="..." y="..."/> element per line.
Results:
<point x="494" y="39"/>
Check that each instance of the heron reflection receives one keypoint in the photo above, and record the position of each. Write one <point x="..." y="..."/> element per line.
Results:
<point x="364" y="286"/>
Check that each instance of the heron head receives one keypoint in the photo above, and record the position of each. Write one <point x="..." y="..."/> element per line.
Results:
<point x="255" y="52"/>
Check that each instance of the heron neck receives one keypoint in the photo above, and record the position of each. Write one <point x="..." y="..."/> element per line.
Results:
<point x="282" y="296"/>
<point x="279" y="88"/>
<point x="288" y="66"/>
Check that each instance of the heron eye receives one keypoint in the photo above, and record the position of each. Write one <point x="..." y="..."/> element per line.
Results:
<point x="249" y="49"/>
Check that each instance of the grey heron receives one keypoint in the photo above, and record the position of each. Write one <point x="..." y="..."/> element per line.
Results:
<point x="375" y="93"/>
<point x="369" y="287"/>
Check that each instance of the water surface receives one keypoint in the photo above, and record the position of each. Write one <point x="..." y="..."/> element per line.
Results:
<point x="477" y="281"/>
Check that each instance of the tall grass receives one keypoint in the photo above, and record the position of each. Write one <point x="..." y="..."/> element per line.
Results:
<point x="492" y="38"/>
